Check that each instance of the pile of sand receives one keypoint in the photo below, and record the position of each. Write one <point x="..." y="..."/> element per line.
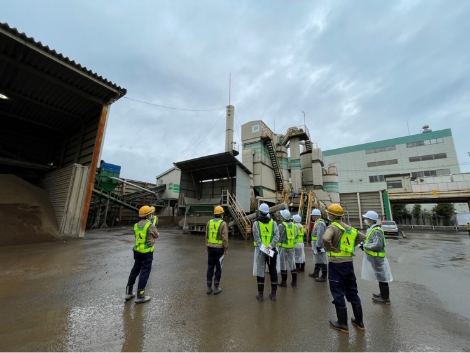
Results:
<point x="26" y="213"/>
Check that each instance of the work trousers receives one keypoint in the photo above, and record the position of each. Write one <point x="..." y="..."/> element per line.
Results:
<point x="142" y="267"/>
<point x="214" y="260"/>
<point x="343" y="284"/>
<point x="271" y="263"/>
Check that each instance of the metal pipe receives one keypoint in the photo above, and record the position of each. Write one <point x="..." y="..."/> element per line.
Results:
<point x="136" y="186"/>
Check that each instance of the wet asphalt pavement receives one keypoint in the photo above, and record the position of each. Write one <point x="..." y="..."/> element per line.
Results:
<point x="69" y="296"/>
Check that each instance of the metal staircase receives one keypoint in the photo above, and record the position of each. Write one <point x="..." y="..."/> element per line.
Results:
<point x="237" y="213"/>
<point x="269" y="142"/>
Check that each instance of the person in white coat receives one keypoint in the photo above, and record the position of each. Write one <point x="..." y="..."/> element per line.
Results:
<point x="299" y="244"/>
<point x="287" y="237"/>
<point x="319" y="253"/>
<point x="375" y="266"/>
<point x="265" y="235"/>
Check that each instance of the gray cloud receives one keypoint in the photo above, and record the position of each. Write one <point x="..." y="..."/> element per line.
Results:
<point x="360" y="70"/>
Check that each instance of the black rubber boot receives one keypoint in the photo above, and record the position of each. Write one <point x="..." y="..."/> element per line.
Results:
<point x="217" y="289"/>
<point x="141" y="297"/>
<point x="297" y="267"/>
<point x="302" y="267"/>
<point x="259" y="296"/>
<point x="324" y="273"/>
<point x="283" y="279"/>
<point x="294" y="279"/>
<point x="384" y="295"/>
<point x="316" y="272"/>
<point x="376" y="295"/>
<point x="129" y="294"/>
<point x="357" y="319"/>
<point x="342" y="323"/>
<point x="209" y="287"/>
<point x="273" y="291"/>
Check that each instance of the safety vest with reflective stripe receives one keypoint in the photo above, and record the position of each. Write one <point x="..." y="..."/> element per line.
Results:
<point x="346" y="243"/>
<point x="289" y="243"/>
<point x="319" y="220"/>
<point x="213" y="234"/>
<point x="266" y="232"/>
<point x="300" y="234"/>
<point x="155" y="220"/>
<point x="380" y="253"/>
<point x="141" y="238"/>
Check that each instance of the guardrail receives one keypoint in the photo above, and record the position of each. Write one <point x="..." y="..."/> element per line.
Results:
<point x="419" y="226"/>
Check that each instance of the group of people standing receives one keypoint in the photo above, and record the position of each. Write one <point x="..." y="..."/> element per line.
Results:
<point x="279" y="248"/>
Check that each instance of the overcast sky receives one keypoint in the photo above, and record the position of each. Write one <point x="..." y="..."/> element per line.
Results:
<point x="361" y="70"/>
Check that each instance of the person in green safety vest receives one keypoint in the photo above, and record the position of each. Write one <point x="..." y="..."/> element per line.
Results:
<point x="299" y="251"/>
<point x="216" y="248"/>
<point x="375" y="266"/>
<point x="154" y="219"/>
<point x="340" y="239"/>
<point x="287" y="237"/>
<point x="319" y="253"/>
<point x="265" y="235"/>
<point x="145" y="234"/>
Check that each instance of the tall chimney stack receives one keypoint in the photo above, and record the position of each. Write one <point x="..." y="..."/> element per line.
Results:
<point x="230" y="116"/>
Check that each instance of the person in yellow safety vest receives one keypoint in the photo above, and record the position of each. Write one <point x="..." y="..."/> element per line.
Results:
<point x="319" y="253"/>
<point x="375" y="266"/>
<point x="287" y="236"/>
<point x="154" y="217"/>
<point x="265" y="235"/>
<point x="340" y="239"/>
<point x="145" y="234"/>
<point x="216" y="248"/>
<point x="299" y="251"/>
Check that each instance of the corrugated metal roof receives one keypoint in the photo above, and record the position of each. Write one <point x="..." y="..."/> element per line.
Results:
<point x="20" y="35"/>
<point x="215" y="166"/>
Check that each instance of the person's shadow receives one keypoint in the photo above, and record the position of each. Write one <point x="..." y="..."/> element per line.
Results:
<point x="133" y="326"/>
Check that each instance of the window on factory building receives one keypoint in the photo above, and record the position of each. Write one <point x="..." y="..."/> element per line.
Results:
<point x="381" y="163"/>
<point x="425" y="142"/>
<point x="381" y="149"/>
<point x="376" y="178"/>
<point x="437" y="172"/>
<point x="394" y="184"/>
<point x="428" y="157"/>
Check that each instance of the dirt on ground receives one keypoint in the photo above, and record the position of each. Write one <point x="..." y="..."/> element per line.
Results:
<point x="26" y="213"/>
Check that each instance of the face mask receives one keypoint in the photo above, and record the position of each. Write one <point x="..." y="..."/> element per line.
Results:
<point x="366" y="222"/>
<point x="331" y="218"/>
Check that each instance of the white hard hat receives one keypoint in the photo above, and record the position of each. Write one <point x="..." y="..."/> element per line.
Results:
<point x="297" y="218"/>
<point x="285" y="214"/>
<point x="371" y="215"/>
<point x="264" y="208"/>
<point x="315" y="212"/>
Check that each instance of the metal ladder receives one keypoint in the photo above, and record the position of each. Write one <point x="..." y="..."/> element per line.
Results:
<point x="237" y="213"/>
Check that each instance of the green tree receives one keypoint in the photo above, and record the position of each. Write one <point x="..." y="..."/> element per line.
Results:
<point x="416" y="212"/>
<point x="399" y="212"/>
<point x="445" y="211"/>
<point x="427" y="216"/>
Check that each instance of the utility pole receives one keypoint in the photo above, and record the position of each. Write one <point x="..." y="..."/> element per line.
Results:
<point x="229" y="84"/>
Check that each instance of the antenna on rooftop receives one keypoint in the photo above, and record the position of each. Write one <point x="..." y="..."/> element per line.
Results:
<point x="408" y="128"/>
<point x="229" y="84"/>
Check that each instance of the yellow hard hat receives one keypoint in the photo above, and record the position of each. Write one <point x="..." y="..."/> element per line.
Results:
<point x="145" y="211"/>
<point x="218" y="210"/>
<point x="336" y="210"/>
<point x="152" y="208"/>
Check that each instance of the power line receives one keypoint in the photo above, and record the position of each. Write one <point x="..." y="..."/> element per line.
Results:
<point x="205" y="135"/>
<point x="163" y="106"/>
